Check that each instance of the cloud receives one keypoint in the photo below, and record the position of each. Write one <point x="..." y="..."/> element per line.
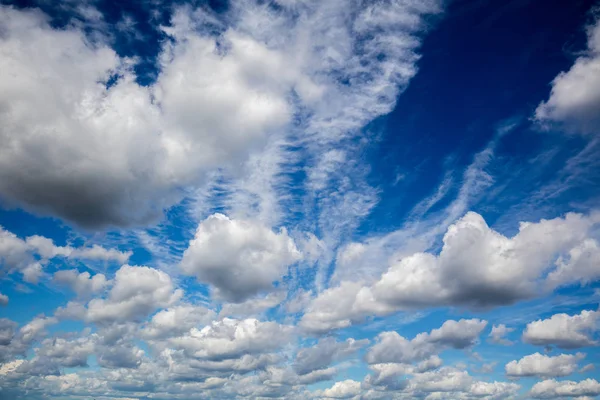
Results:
<point x="81" y="283"/>
<point x="137" y="291"/>
<point x="238" y="258"/>
<point x="107" y="177"/>
<point x="35" y="328"/>
<point x="319" y="74"/>
<point x="552" y="389"/>
<point x="65" y="353"/>
<point x="563" y="330"/>
<point x="574" y="101"/>
<point x="498" y="335"/>
<point x="579" y="265"/>
<point x="342" y="390"/>
<point x="177" y="320"/>
<point x="393" y="348"/>
<point x="230" y="339"/>
<point x="3" y="299"/>
<point x="477" y="267"/>
<point x="253" y="306"/>
<point x="543" y="366"/>
<point x="324" y="352"/>
<point x="29" y="255"/>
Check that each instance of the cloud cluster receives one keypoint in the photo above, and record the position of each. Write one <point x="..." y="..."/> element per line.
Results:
<point x="101" y="149"/>
<point x="28" y="256"/>
<point x="393" y="348"/>
<point x="574" y="101"/>
<point x="238" y="258"/>
<point x="563" y="330"/>
<point x="544" y="366"/>
<point x="476" y="268"/>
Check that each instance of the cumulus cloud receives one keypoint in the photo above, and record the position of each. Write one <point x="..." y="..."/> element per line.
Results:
<point x="81" y="283"/>
<point x="563" y="330"/>
<point x="498" y="335"/>
<point x="342" y="390"/>
<point x="106" y="176"/>
<point x="544" y="366"/>
<point x="574" y="100"/>
<point x="551" y="389"/>
<point x="230" y="338"/>
<point x="394" y="348"/>
<point x="177" y="320"/>
<point x="3" y="299"/>
<point x="326" y="351"/>
<point x="137" y="291"/>
<point x="238" y="258"/>
<point x="225" y="85"/>
<point x="477" y="268"/>
<point x="28" y="255"/>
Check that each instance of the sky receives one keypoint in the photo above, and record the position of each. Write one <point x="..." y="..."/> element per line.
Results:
<point x="299" y="199"/>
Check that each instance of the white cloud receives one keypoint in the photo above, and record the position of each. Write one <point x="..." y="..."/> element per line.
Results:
<point x="137" y="291"/>
<point x="177" y="320"/>
<point x="446" y="379"/>
<point x="260" y="68"/>
<point x="587" y="368"/>
<point x="544" y="366"/>
<point x="253" y="306"/>
<point x="494" y="390"/>
<point x="342" y="390"/>
<point x="238" y="258"/>
<point x="35" y="328"/>
<point x="564" y="330"/>
<point x="581" y="264"/>
<point x="477" y="268"/>
<point x="393" y="348"/>
<point x="187" y="121"/>
<point x="66" y="353"/>
<point x="3" y="299"/>
<point x="230" y="339"/>
<point x="81" y="283"/>
<point x="551" y="389"/>
<point x="498" y="335"/>
<point x="574" y="101"/>
<point x="324" y="352"/>
<point x="29" y="255"/>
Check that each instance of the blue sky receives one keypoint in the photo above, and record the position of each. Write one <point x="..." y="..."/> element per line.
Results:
<point x="299" y="199"/>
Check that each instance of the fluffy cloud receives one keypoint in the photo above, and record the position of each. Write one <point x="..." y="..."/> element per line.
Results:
<point x="441" y="383"/>
<point x="253" y="306"/>
<point x="226" y="83"/>
<point x="326" y="351"/>
<point x="230" y="338"/>
<point x="28" y="255"/>
<point x="177" y="320"/>
<point x="581" y="264"/>
<point x="65" y="353"/>
<point x="81" y="283"/>
<point x="477" y="268"/>
<point x="137" y="292"/>
<point x="186" y="121"/>
<point x="550" y="389"/>
<point x="238" y="258"/>
<point x="544" y="366"/>
<point x="342" y="390"/>
<point x="564" y="330"/>
<point x="3" y="299"/>
<point x="393" y="348"/>
<point x="575" y="100"/>
<point x="498" y="335"/>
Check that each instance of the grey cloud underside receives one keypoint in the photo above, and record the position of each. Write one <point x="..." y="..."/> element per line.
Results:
<point x="103" y="156"/>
